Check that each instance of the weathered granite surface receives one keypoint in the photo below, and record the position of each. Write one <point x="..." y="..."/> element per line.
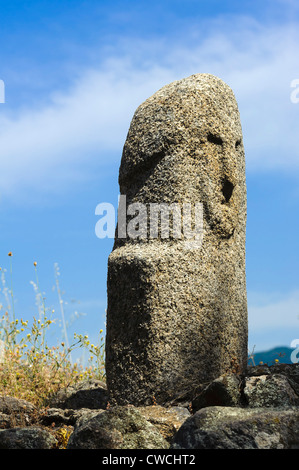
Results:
<point x="177" y="312"/>
<point x="219" y="427"/>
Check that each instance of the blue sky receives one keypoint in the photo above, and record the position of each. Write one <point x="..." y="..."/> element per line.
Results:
<point x="74" y="73"/>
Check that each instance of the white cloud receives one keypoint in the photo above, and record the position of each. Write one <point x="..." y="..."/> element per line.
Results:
<point x="275" y="312"/>
<point x="273" y="319"/>
<point x="40" y="148"/>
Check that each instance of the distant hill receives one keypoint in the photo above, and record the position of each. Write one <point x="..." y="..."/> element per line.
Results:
<point x="282" y="353"/>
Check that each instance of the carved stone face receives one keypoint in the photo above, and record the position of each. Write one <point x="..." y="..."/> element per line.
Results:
<point x="185" y="143"/>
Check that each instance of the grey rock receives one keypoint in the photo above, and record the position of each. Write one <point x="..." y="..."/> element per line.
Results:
<point x="117" y="428"/>
<point x="90" y="394"/>
<point x="166" y="420"/>
<point x="27" y="438"/>
<point x="84" y="415"/>
<point x="224" y="391"/>
<point x="254" y="371"/>
<point x="291" y="371"/>
<point x="177" y="310"/>
<point x="16" y="412"/>
<point x="58" y="416"/>
<point x="10" y="404"/>
<point x="239" y="428"/>
<point x="270" y="391"/>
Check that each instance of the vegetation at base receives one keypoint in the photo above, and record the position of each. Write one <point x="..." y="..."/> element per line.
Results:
<point x="30" y="367"/>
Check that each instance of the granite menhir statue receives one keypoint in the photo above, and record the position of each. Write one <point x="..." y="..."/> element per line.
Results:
<point x="177" y="305"/>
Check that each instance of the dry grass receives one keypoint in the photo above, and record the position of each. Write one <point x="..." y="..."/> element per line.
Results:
<point x="31" y="369"/>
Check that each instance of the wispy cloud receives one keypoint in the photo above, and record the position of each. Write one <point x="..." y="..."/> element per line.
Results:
<point x="271" y="312"/>
<point x="39" y="148"/>
<point x="273" y="319"/>
<point x="91" y="119"/>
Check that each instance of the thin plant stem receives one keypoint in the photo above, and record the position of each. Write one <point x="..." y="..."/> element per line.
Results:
<point x="39" y="291"/>
<point x="5" y="291"/>
<point x="42" y="299"/>
<point x="11" y="289"/>
<point x="62" y="311"/>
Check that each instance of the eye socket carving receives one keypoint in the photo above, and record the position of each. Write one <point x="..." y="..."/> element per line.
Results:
<point x="237" y="144"/>
<point x="214" y="139"/>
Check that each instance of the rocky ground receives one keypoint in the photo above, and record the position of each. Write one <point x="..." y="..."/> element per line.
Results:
<point x="259" y="411"/>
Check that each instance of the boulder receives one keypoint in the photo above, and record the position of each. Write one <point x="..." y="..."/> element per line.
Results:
<point x="27" y="438"/>
<point x="272" y="390"/>
<point x="166" y="420"/>
<point x="238" y="428"/>
<point x="57" y="416"/>
<point x="90" y="394"/>
<point x="291" y="371"/>
<point x="10" y="405"/>
<point x="224" y="391"/>
<point x="121" y="427"/>
<point x="16" y="412"/>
